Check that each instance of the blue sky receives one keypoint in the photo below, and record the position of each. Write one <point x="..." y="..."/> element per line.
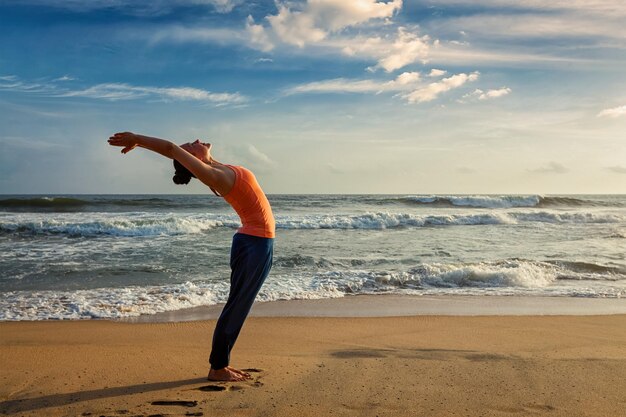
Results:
<point x="317" y="96"/>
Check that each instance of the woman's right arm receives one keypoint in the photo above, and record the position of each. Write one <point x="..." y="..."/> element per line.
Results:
<point x="131" y="140"/>
<point x="205" y="173"/>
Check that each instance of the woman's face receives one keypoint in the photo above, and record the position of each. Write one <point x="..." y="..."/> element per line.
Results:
<point x="200" y="150"/>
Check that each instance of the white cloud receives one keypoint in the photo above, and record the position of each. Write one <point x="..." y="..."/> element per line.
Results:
<point x="258" y="37"/>
<point x="403" y="82"/>
<point x="252" y="157"/>
<point x="433" y="90"/>
<point x="222" y="6"/>
<point x="485" y="95"/>
<point x="64" y="78"/>
<point x="500" y="92"/>
<point x="391" y="52"/>
<point x="409" y="84"/>
<point x="437" y="73"/>
<point x="317" y="18"/>
<point x="406" y="49"/>
<point x="13" y="83"/>
<point x="613" y="112"/>
<point x="338" y="14"/>
<point x="322" y="26"/>
<point x="322" y="23"/>
<point x="296" y="28"/>
<point x="259" y="156"/>
<point x="121" y="91"/>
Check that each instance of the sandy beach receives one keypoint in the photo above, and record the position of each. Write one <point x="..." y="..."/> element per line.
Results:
<point x="345" y="366"/>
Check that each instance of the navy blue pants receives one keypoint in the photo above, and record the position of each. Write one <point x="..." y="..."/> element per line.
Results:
<point x="250" y="264"/>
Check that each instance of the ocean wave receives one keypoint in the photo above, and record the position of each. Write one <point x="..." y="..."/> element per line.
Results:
<point x="480" y="201"/>
<point x="573" y="202"/>
<point x="495" y="274"/>
<point x="386" y="220"/>
<point x="125" y="227"/>
<point x="383" y="220"/>
<point x="504" y="201"/>
<point x="121" y="203"/>
<point x="587" y="269"/>
<point x="568" y="217"/>
<point x="504" y="277"/>
<point x="65" y="204"/>
<point x="140" y="224"/>
<point x="42" y="202"/>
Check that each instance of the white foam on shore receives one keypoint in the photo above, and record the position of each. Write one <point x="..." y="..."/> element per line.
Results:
<point x="393" y="305"/>
<point x="525" y="278"/>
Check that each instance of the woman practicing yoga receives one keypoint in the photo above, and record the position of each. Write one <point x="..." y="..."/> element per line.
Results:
<point x="252" y="248"/>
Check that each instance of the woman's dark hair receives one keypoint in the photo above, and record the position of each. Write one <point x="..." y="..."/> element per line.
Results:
<point x="182" y="174"/>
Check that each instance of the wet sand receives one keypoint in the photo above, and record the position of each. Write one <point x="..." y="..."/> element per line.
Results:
<point x="321" y="366"/>
<point x="389" y="305"/>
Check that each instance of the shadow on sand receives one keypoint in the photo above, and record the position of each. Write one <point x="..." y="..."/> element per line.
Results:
<point x="56" y="400"/>
<point x="421" y="354"/>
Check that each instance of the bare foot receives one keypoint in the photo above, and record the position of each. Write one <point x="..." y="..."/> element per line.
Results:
<point x="237" y="371"/>
<point x="224" y="374"/>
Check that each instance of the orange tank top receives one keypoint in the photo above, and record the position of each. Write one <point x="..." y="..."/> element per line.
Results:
<point x="250" y="203"/>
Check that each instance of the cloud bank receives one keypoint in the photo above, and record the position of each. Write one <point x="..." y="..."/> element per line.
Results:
<point x="362" y="29"/>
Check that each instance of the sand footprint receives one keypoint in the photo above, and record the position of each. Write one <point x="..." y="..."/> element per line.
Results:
<point x="253" y="370"/>
<point x="211" y="388"/>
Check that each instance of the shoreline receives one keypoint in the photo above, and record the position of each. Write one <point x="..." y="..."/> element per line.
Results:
<point x="398" y="305"/>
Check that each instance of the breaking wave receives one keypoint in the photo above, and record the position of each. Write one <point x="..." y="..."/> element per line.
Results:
<point x="126" y="227"/>
<point x="504" y="201"/>
<point x="506" y="277"/>
<point x="171" y="224"/>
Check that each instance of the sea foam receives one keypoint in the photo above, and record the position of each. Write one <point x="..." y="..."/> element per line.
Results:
<point x="169" y="224"/>
<point x="510" y="277"/>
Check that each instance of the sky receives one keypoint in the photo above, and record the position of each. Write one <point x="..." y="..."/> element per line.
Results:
<point x="317" y="96"/>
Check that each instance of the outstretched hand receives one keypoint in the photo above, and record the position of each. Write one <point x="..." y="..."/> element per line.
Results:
<point x="128" y="140"/>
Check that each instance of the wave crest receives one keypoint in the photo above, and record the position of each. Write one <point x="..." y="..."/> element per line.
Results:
<point x="504" y="277"/>
<point x="179" y="224"/>
<point x="503" y="201"/>
<point x="115" y="227"/>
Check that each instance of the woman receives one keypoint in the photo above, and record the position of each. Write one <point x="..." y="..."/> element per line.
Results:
<point x="252" y="248"/>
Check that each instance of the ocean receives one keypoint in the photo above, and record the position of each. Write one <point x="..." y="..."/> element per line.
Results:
<point x="113" y="256"/>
